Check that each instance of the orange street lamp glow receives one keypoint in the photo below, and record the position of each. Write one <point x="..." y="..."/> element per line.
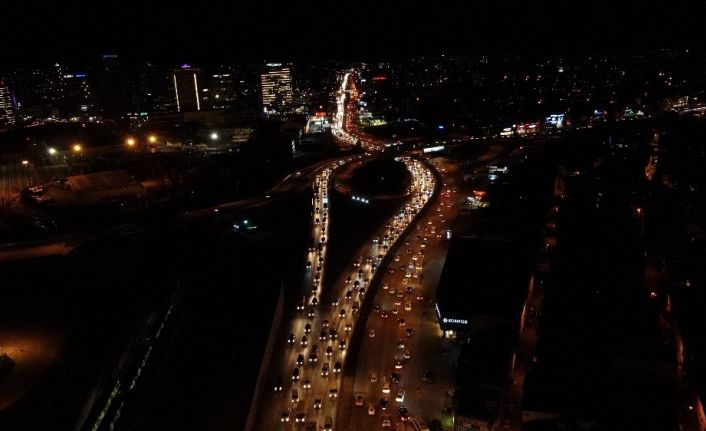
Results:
<point x="130" y="142"/>
<point x="152" y="139"/>
<point x="77" y="148"/>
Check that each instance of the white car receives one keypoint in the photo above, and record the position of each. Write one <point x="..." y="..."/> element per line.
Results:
<point x="359" y="400"/>
<point x="400" y="396"/>
<point x="371" y="334"/>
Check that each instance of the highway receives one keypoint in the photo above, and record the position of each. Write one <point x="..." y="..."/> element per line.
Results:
<point x="305" y="382"/>
<point x="302" y="395"/>
<point x="401" y="335"/>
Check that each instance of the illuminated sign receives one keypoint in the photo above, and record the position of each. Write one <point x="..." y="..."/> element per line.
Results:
<point x="434" y="149"/>
<point x="379" y="78"/>
<point x="555" y="120"/>
<point x="320" y="114"/>
<point x="459" y="321"/>
<point x="186" y="66"/>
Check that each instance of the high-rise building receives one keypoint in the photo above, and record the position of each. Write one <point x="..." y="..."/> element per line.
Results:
<point x="156" y="88"/>
<point x="223" y="89"/>
<point x="186" y="89"/>
<point x="7" y="106"/>
<point x="76" y="94"/>
<point x="115" y="87"/>
<point x="276" y="85"/>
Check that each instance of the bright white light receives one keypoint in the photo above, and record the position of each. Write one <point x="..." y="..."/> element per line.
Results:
<point x="196" y="90"/>
<point x="214" y="136"/>
<point x="52" y="151"/>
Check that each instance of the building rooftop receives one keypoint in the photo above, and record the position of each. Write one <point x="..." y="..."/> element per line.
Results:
<point x="483" y="369"/>
<point x="485" y="277"/>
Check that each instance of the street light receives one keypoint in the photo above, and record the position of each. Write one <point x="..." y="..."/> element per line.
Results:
<point x="214" y="136"/>
<point x="130" y="142"/>
<point x="26" y="172"/>
<point x="52" y="151"/>
<point x="152" y="139"/>
<point x="77" y="148"/>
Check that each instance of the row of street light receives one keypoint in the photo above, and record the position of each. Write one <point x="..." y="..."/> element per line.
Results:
<point x="77" y="148"/>
<point x="130" y="142"/>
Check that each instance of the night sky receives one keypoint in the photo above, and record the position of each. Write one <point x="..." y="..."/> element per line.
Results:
<point x="236" y="30"/>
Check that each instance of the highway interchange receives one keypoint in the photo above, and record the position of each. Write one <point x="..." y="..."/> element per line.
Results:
<point x="307" y="365"/>
<point x="307" y="384"/>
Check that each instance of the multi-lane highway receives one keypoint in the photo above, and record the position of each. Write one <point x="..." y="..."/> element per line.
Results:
<point x="305" y="373"/>
<point x="402" y="339"/>
<point x="399" y="355"/>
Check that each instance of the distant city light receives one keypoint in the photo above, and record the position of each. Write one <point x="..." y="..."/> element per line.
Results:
<point x="433" y="149"/>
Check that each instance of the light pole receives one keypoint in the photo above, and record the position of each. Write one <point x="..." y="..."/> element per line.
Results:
<point x="27" y="173"/>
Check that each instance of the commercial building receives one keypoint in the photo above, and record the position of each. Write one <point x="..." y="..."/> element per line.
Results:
<point x="483" y="284"/>
<point x="276" y="87"/>
<point x="77" y="94"/>
<point x="116" y="88"/>
<point x="186" y="89"/>
<point x="483" y="369"/>
<point x="223" y="89"/>
<point x="7" y="106"/>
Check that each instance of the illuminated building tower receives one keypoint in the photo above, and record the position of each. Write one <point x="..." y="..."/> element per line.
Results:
<point x="276" y="83"/>
<point x="7" y="106"/>
<point x="186" y="89"/>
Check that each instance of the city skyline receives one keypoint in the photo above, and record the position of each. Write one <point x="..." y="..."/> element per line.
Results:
<point x="352" y="216"/>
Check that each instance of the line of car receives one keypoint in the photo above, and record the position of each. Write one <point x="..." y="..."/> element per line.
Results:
<point x="355" y="285"/>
